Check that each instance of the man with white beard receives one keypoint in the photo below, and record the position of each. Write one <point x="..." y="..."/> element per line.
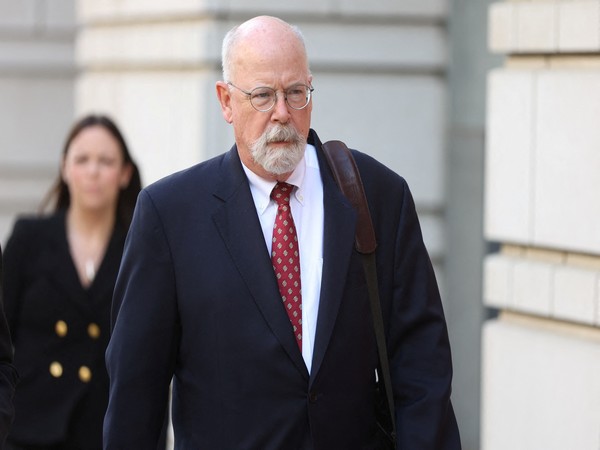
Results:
<point x="241" y="283"/>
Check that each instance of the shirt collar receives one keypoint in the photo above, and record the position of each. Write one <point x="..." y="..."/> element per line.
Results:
<point x="261" y="188"/>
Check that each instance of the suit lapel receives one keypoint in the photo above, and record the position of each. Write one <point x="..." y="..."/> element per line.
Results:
<point x="338" y="244"/>
<point x="63" y="273"/>
<point x="106" y="274"/>
<point x="240" y="229"/>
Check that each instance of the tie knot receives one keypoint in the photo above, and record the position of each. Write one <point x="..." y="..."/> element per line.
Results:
<point x="281" y="193"/>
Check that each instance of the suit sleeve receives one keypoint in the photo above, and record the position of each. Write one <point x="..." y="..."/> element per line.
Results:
<point x="141" y="353"/>
<point x="8" y="374"/>
<point x="420" y="359"/>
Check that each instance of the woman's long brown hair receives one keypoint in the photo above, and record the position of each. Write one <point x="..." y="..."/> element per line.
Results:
<point x="58" y="198"/>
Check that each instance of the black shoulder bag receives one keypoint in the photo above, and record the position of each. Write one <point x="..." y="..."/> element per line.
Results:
<point x="347" y="177"/>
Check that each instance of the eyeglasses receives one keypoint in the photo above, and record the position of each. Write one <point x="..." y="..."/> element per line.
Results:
<point x="264" y="98"/>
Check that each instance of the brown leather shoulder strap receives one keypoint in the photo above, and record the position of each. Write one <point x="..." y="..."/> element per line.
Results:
<point x="346" y="175"/>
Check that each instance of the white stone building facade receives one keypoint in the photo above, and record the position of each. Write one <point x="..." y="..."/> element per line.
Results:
<point x="405" y="81"/>
<point x="541" y="356"/>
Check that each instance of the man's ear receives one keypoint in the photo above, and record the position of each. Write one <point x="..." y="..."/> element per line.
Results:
<point x="224" y="96"/>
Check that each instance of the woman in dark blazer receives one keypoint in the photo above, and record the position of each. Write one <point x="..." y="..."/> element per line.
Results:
<point x="60" y="271"/>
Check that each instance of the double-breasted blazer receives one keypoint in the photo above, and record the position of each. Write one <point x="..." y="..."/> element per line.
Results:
<point x="60" y="332"/>
<point x="196" y="298"/>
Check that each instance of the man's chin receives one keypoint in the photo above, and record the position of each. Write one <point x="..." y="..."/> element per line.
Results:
<point x="280" y="168"/>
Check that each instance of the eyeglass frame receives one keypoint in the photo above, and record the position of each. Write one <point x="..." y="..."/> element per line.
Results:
<point x="249" y="94"/>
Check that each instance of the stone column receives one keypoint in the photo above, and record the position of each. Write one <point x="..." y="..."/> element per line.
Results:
<point x="37" y="72"/>
<point x="465" y="245"/>
<point x="541" y="356"/>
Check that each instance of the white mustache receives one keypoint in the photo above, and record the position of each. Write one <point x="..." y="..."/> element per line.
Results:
<point x="281" y="133"/>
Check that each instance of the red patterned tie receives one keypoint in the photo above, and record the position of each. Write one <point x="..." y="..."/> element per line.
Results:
<point x="286" y="258"/>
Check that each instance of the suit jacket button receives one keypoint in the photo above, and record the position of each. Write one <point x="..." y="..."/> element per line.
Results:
<point x="85" y="374"/>
<point x="56" y="369"/>
<point x="312" y="397"/>
<point x="93" y="331"/>
<point x="61" y="328"/>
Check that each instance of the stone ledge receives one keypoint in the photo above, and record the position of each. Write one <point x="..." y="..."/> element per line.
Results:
<point x="37" y="17"/>
<point x="197" y="43"/>
<point x="152" y="10"/>
<point x="547" y="284"/>
<point x="544" y="27"/>
<point x="28" y="55"/>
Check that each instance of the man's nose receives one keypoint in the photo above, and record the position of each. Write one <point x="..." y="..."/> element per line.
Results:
<point x="281" y="111"/>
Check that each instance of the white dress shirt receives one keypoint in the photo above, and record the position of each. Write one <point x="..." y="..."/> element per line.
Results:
<point x="306" y="204"/>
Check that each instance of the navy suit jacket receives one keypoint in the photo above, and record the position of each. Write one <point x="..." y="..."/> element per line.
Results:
<point x="197" y="299"/>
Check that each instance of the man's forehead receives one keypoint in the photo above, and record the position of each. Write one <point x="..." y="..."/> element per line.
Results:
<point x="269" y="59"/>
